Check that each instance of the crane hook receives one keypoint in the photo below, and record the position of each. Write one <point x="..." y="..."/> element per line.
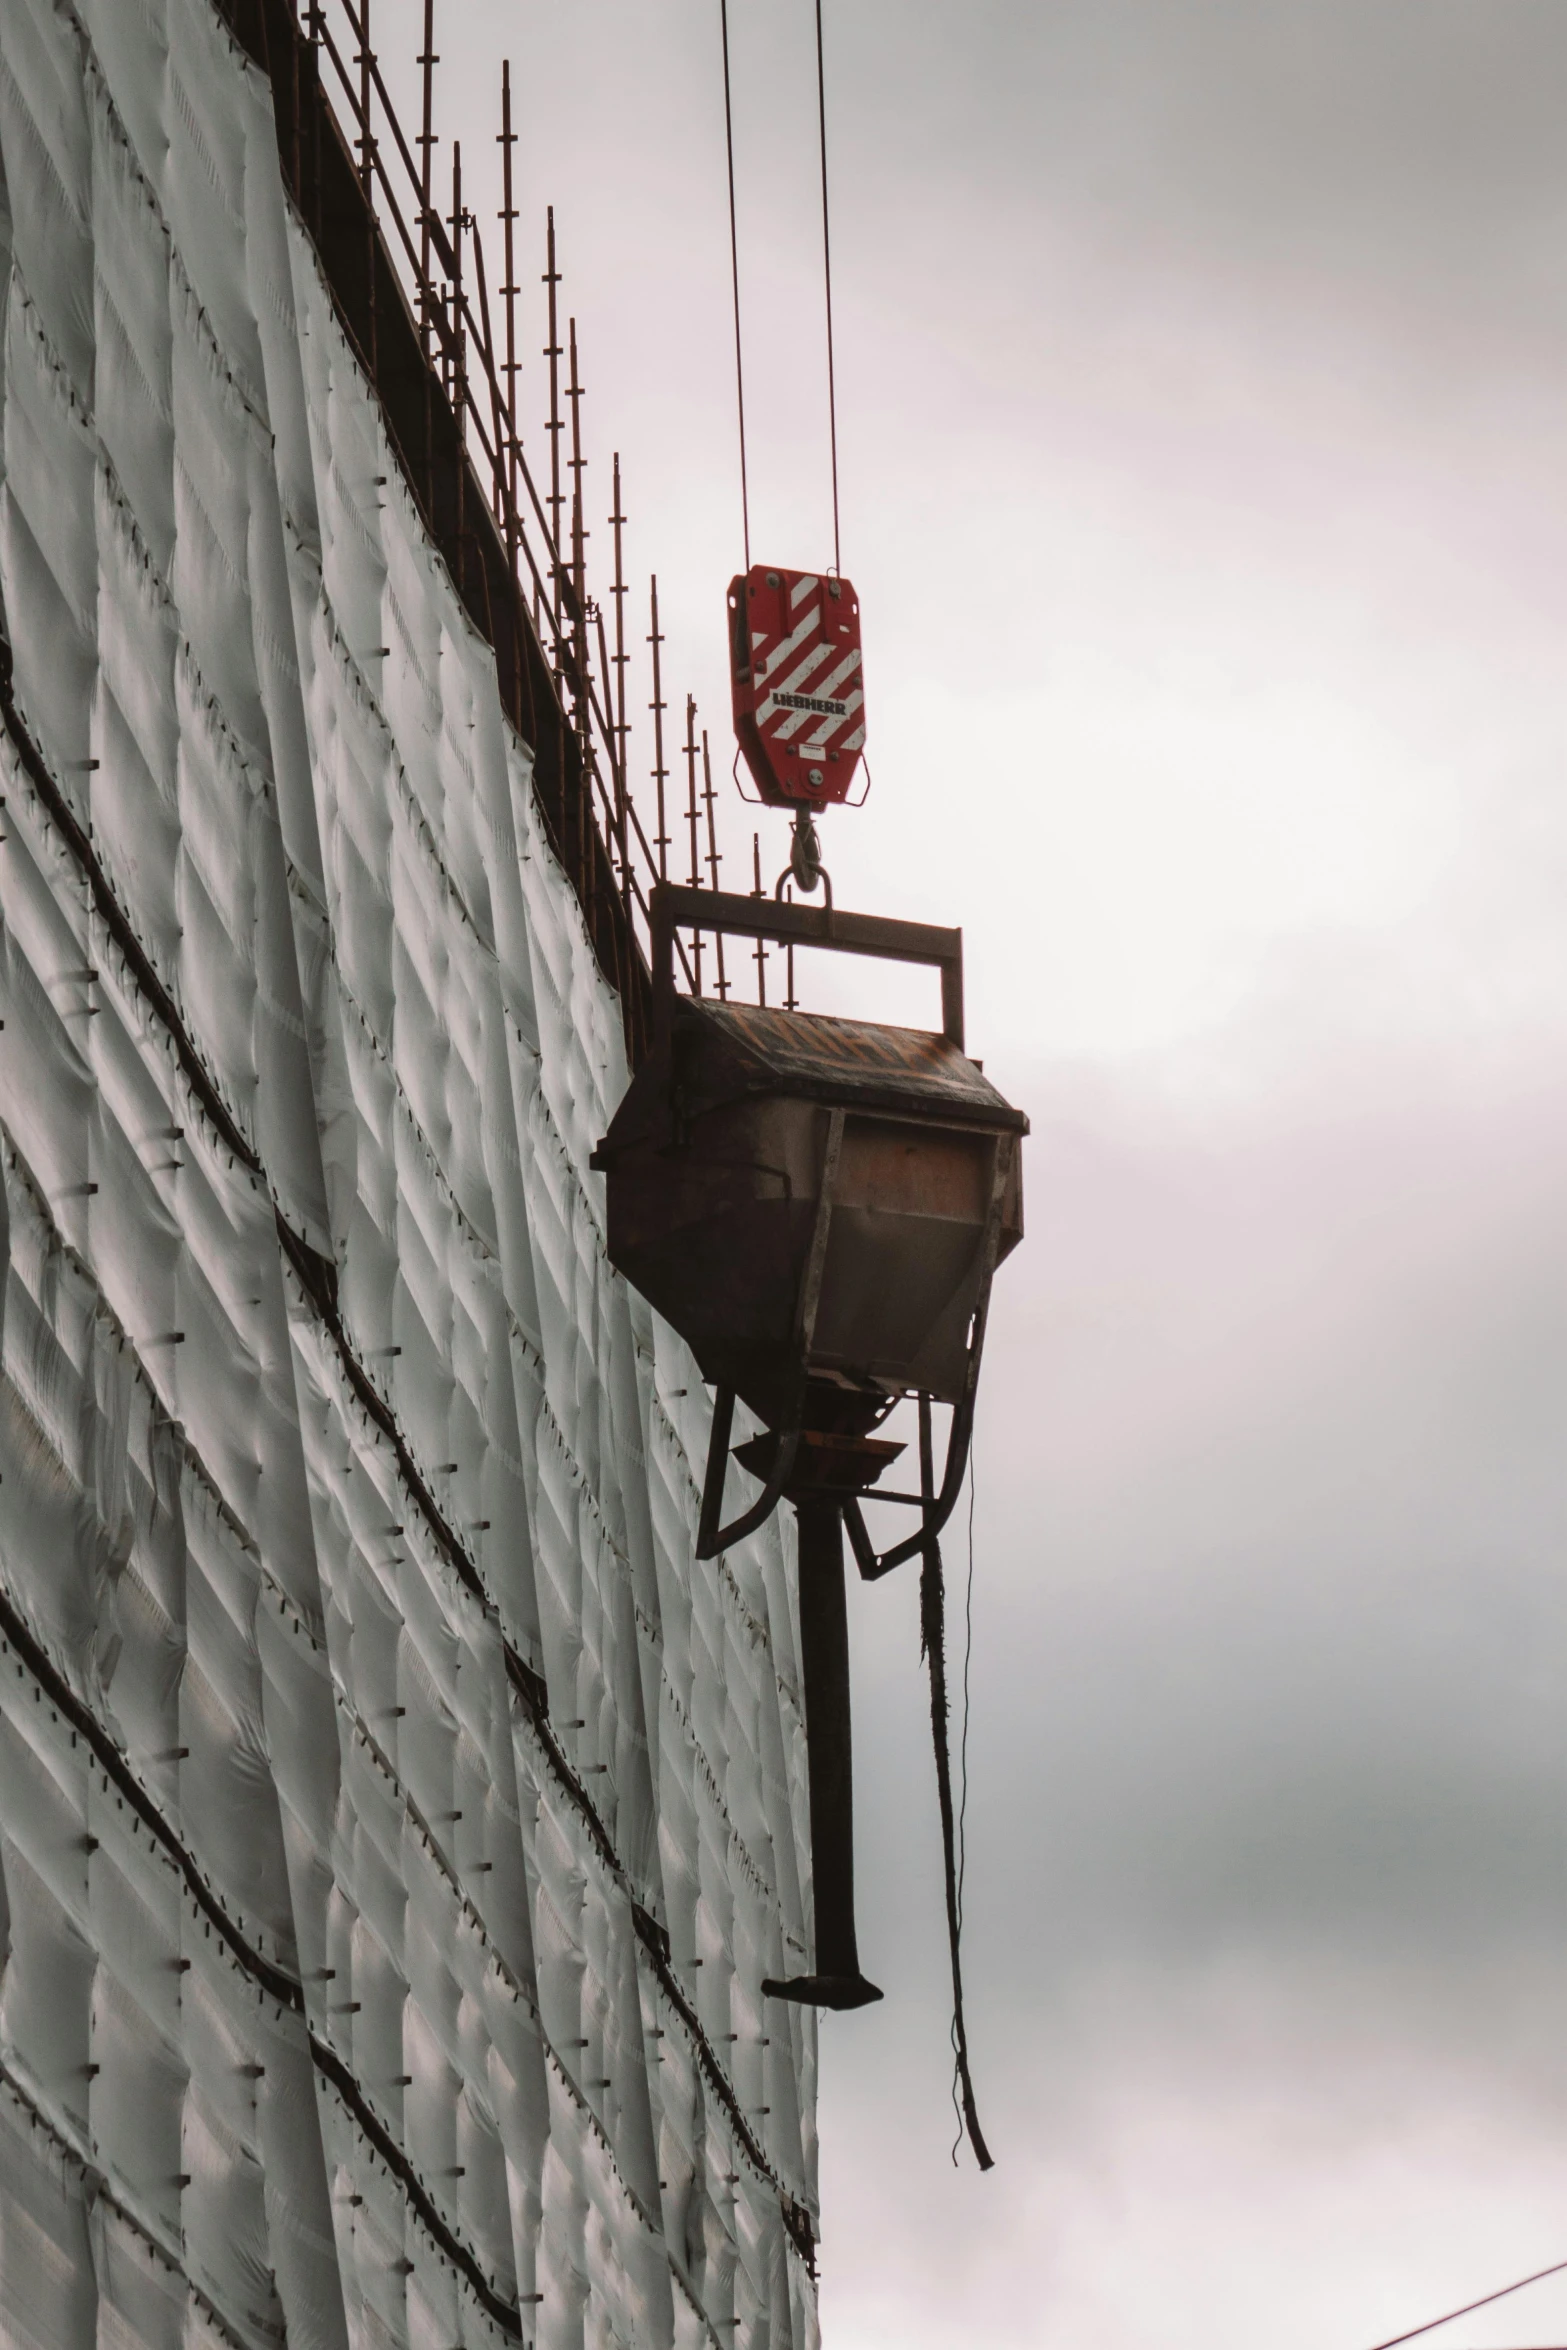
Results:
<point x="805" y="856"/>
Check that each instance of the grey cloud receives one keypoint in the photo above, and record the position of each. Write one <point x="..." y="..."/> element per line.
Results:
<point x="1266" y="1895"/>
<point x="1270" y="1618"/>
<point x="1422" y="121"/>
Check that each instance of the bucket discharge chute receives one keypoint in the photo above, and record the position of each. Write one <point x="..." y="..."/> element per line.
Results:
<point x="818" y="1207"/>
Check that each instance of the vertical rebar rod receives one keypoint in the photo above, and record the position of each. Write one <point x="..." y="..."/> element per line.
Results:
<point x="507" y="141"/>
<point x="459" y="375"/>
<point x="713" y="861"/>
<point x="691" y="820"/>
<point x="607" y="673"/>
<point x="317" y="110"/>
<point x="581" y="684"/>
<point x="756" y="891"/>
<point x="596" y="611"/>
<point x="658" y="706"/>
<point x="298" y="152"/>
<point x="579" y="530"/>
<point x="366" y="166"/>
<point x="552" y="353"/>
<point x="620" y="838"/>
<point x="427" y="62"/>
<point x="617" y="524"/>
<point x="692" y="813"/>
<point x="367" y="169"/>
<point x="500" y="499"/>
<point x="459" y="334"/>
<point x="616" y="842"/>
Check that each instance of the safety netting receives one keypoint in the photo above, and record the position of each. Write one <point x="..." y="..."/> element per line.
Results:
<point x="396" y="1821"/>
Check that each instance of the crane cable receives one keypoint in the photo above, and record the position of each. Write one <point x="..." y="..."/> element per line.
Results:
<point x="932" y="1596"/>
<point x="1484" y="2302"/>
<point x="832" y="389"/>
<point x="734" y="277"/>
<point x="734" y="273"/>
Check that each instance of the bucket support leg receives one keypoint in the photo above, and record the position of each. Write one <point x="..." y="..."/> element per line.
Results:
<point x="824" y="1661"/>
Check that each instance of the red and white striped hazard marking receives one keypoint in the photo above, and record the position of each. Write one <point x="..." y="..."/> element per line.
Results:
<point x="799" y="698"/>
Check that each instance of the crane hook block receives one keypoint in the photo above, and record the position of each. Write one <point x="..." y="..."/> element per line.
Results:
<point x="799" y="698"/>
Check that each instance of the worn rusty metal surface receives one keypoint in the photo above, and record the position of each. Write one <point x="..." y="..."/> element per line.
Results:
<point x="715" y="1165"/>
<point x="859" y="1062"/>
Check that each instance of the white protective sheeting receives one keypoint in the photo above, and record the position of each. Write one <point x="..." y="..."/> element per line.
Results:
<point x="344" y="1993"/>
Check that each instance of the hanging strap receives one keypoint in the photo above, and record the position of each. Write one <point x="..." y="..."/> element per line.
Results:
<point x="934" y="1647"/>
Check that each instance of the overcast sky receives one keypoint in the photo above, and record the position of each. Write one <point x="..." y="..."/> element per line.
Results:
<point x="1203" y="418"/>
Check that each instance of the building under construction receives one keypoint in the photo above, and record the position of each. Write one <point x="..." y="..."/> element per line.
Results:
<point x="414" y="1868"/>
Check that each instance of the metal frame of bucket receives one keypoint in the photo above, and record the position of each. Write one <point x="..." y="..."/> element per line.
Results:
<point x="680" y="908"/>
<point x="862" y="1278"/>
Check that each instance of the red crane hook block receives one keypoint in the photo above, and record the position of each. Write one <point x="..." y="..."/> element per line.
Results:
<point x="799" y="699"/>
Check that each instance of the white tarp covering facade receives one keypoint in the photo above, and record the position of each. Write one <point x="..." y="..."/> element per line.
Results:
<point x="395" y="1823"/>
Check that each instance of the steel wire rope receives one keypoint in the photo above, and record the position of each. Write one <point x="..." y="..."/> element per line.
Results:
<point x="1469" y="2307"/>
<point x="734" y="274"/>
<point x="832" y="388"/>
<point x="734" y="279"/>
<point x="960" y="2073"/>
